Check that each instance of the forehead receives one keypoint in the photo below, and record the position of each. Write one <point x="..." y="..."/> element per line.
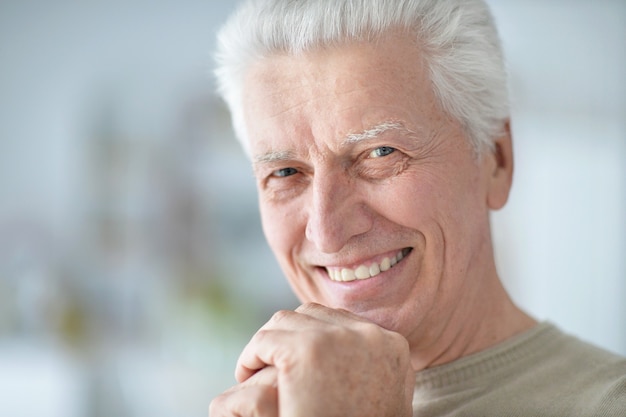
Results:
<point x="394" y="60"/>
<point x="338" y="91"/>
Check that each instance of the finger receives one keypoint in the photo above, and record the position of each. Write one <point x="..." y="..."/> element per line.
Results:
<point x="284" y="329"/>
<point x="266" y="376"/>
<point x="292" y="320"/>
<point x="282" y="321"/>
<point x="256" y="388"/>
<point x="330" y="315"/>
<point x="246" y="401"/>
<point x="310" y="315"/>
<point x="266" y="348"/>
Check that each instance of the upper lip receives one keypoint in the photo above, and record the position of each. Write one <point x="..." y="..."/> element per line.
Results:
<point x="354" y="262"/>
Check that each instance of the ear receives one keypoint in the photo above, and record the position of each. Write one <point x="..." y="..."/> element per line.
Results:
<point x="501" y="175"/>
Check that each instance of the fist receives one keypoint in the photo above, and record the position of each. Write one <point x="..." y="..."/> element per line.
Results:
<point x="329" y="363"/>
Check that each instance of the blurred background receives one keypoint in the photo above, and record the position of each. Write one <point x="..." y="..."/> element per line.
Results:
<point x="132" y="263"/>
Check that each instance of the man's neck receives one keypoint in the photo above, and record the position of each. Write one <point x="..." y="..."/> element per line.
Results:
<point x="476" y="325"/>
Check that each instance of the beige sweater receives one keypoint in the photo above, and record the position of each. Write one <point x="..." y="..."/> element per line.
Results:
<point x="542" y="372"/>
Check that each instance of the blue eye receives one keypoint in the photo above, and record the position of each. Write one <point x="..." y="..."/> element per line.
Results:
<point x="285" y="172"/>
<point x="382" y="151"/>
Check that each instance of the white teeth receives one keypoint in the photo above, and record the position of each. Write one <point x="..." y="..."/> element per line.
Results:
<point x="385" y="265"/>
<point x="347" y="275"/>
<point x="364" y="272"/>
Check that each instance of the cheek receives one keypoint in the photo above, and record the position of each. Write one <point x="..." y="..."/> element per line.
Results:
<point x="407" y="202"/>
<point x="269" y="222"/>
<point x="284" y="234"/>
<point x="429" y="203"/>
<point x="280" y="229"/>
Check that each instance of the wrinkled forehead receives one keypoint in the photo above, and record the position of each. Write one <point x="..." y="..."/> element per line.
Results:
<point x="344" y="94"/>
<point x="394" y="64"/>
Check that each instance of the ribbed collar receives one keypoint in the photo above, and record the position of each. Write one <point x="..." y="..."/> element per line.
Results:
<point x="521" y="347"/>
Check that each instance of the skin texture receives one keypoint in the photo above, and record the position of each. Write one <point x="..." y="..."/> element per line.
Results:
<point x="328" y="202"/>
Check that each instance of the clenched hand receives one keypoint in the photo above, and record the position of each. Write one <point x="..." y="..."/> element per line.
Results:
<point x="320" y="362"/>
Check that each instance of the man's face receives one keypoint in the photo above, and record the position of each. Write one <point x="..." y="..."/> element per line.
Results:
<point x="359" y="169"/>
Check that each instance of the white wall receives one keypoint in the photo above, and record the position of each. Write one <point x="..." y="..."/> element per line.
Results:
<point x="562" y="238"/>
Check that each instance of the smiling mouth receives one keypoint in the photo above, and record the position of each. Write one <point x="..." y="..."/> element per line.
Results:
<point x="367" y="271"/>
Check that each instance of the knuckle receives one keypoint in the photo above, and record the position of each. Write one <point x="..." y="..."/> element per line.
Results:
<point x="398" y="342"/>
<point x="395" y="344"/>
<point x="280" y="316"/>
<point x="216" y="405"/>
<point x="370" y="331"/>
<point x="400" y="350"/>
<point x="260" y="335"/>
<point x="308" y="308"/>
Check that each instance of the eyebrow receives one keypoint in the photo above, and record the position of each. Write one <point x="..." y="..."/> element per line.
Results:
<point x="374" y="132"/>
<point x="272" y="157"/>
<point x="352" y="138"/>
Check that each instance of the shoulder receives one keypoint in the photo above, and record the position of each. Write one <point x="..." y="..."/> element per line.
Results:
<point x="540" y="372"/>
<point x="567" y="375"/>
<point x="584" y="378"/>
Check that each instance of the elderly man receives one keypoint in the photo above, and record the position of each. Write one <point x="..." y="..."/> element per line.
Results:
<point x="378" y="132"/>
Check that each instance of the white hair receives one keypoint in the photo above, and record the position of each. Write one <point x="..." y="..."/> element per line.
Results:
<point x="458" y="40"/>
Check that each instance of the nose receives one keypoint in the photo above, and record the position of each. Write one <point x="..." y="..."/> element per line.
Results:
<point x="336" y="212"/>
